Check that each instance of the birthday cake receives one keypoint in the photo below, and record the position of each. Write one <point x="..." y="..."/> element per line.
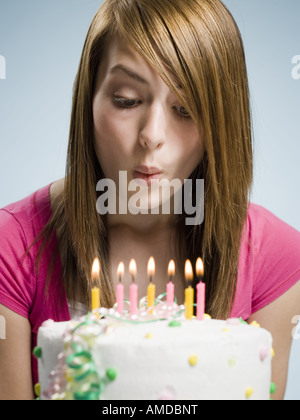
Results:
<point x="157" y="356"/>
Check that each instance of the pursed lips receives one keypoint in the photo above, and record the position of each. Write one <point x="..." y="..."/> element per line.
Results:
<point x="147" y="174"/>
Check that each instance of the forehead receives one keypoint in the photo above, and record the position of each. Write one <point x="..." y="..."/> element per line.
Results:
<point x="119" y="49"/>
<point x="120" y="54"/>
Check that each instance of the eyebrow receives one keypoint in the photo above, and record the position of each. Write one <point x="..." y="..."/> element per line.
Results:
<point x="129" y="73"/>
<point x="134" y="76"/>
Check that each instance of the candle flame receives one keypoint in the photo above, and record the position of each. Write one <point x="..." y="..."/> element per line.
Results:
<point x="121" y="270"/>
<point x="188" y="271"/>
<point x="96" y="269"/>
<point x="132" y="267"/>
<point x="199" y="267"/>
<point x="151" y="267"/>
<point x="171" y="268"/>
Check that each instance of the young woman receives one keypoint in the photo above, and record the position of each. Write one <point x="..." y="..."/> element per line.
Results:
<point x="161" y="93"/>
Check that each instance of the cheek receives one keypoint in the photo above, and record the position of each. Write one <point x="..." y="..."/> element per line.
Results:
<point x="105" y="130"/>
<point x="109" y="139"/>
<point x="190" y="149"/>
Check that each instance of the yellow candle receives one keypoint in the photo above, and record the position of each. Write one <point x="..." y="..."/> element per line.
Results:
<point x="151" y="295"/>
<point x="95" y="298"/>
<point x="96" y="280"/>
<point x="189" y="291"/>
<point x="151" y="287"/>
<point x="189" y="301"/>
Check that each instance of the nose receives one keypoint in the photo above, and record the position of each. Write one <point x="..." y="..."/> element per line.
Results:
<point x="152" y="133"/>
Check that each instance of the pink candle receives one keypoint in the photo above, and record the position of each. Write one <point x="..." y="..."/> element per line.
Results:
<point x="170" y="293"/>
<point x="170" y="285"/>
<point x="133" y="297"/>
<point x="200" y="290"/>
<point x="133" y="290"/>
<point x="200" y="300"/>
<point x="120" y="290"/>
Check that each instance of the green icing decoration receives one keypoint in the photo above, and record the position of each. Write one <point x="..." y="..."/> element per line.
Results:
<point x="175" y="324"/>
<point x="84" y="382"/>
<point x="272" y="388"/>
<point x="111" y="374"/>
<point x="91" y="395"/>
<point x="37" y="351"/>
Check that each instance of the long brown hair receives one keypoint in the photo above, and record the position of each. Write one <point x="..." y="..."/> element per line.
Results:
<point x="195" y="44"/>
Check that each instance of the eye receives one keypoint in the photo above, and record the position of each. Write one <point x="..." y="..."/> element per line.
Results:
<point x="182" y="112"/>
<point x="122" y="102"/>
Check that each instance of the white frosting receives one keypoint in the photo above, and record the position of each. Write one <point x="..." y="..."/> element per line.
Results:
<point x="152" y="360"/>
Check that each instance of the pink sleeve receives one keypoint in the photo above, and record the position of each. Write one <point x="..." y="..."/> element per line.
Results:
<point x="17" y="279"/>
<point x="277" y="262"/>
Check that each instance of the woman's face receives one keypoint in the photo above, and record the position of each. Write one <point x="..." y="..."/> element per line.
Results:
<point x="139" y="124"/>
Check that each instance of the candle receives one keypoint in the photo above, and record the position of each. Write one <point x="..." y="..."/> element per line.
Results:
<point x="189" y="291"/>
<point x="200" y="290"/>
<point x="170" y="285"/>
<point x="151" y="287"/>
<point x="120" y="289"/>
<point x="96" y="280"/>
<point x="133" y="290"/>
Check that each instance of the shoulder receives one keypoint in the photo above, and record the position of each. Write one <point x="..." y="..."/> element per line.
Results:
<point x="267" y="237"/>
<point x="26" y="216"/>
<point x="20" y="224"/>
<point x="262" y="221"/>
<point x="275" y="249"/>
<point x="270" y="236"/>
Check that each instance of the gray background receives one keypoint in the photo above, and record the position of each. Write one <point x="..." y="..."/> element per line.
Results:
<point x="42" y="42"/>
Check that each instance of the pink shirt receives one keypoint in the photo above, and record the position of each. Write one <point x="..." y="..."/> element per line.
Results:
<point x="269" y="264"/>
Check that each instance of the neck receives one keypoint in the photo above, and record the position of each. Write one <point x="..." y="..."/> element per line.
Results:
<point x="141" y="224"/>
